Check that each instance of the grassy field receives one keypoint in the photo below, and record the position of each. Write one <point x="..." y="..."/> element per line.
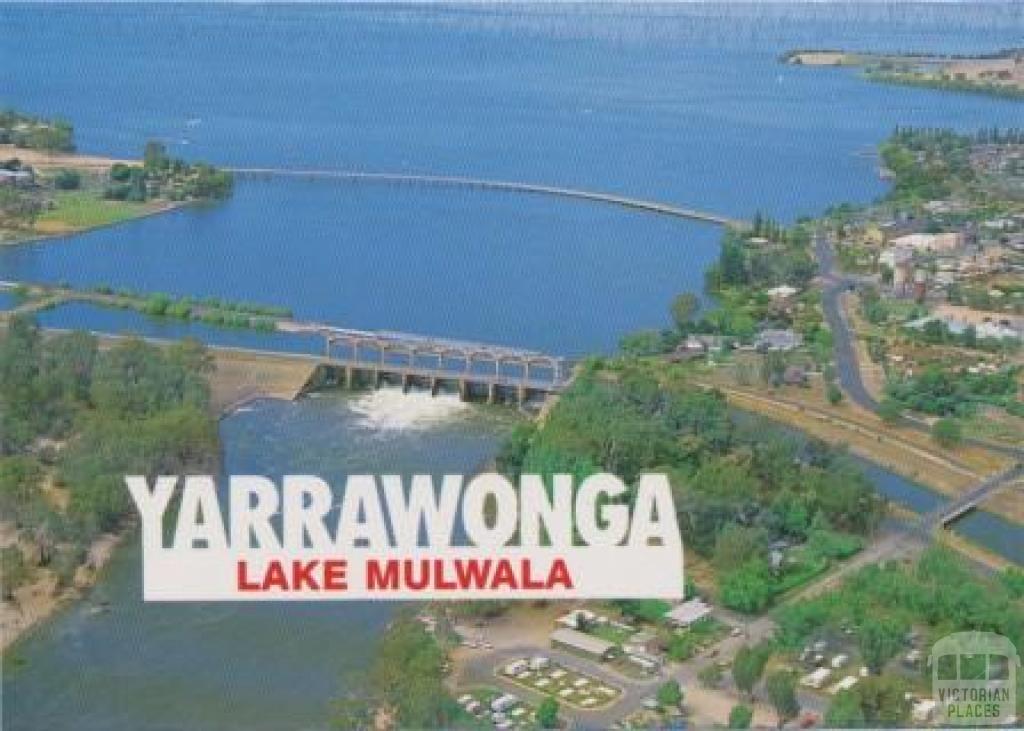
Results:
<point x="78" y="210"/>
<point x="997" y="425"/>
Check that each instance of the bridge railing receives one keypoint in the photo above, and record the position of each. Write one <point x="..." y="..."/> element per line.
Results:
<point x="451" y="374"/>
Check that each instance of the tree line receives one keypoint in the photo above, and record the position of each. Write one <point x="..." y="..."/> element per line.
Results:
<point x="78" y="417"/>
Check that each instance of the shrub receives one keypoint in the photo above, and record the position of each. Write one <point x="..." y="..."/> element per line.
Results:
<point x="947" y="432"/>
<point x="740" y="716"/>
<point x="67" y="180"/>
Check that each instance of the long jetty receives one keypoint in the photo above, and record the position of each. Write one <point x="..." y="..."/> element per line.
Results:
<point x="454" y="181"/>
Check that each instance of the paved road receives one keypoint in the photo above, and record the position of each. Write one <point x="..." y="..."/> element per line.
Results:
<point x="849" y="375"/>
<point x="835" y="283"/>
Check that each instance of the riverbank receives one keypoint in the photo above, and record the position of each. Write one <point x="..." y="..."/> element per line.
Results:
<point x="36" y="601"/>
<point x="905" y="452"/>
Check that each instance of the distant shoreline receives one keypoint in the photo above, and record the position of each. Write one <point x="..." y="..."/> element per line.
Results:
<point x="999" y="73"/>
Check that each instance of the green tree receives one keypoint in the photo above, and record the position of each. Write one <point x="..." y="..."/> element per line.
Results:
<point x="947" y="432"/>
<point x="14" y="572"/>
<point x="748" y="665"/>
<point x="845" y="711"/>
<point x="710" y="676"/>
<point x="67" y="180"/>
<point x="684" y="307"/>
<point x="890" y="410"/>
<point x="879" y="639"/>
<point x="781" y="687"/>
<point x="740" y="716"/>
<point x="749" y="588"/>
<point x="154" y="157"/>
<point x="407" y="677"/>
<point x="883" y="701"/>
<point x="642" y="342"/>
<point x="547" y="713"/>
<point x="737" y="545"/>
<point x="670" y="694"/>
<point x="19" y="481"/>
<point x="773" y="366"/>
<point x="834" y="394"/>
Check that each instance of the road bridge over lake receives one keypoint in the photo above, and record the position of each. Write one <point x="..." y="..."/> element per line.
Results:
<point x="454" y="181"/>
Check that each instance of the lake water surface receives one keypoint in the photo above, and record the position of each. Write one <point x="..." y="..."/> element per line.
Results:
<point x="684" y="104"/>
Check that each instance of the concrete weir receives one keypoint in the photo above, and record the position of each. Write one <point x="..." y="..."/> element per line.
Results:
<point x="469" y="387"/>
<point x="476" y="371"/>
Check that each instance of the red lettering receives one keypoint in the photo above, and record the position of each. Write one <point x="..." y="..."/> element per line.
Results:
<point x="473" y="574"/>
<point x="504" y="575"/>
<point x="528" y="581"/>
<point x="302" y="575"/>
<point x="559" y="574"/>
<point x="275" y="578"/>
<point x="414" y="582"/>
<point x="378" y="579"/>
<point x="440" y="582"/>
<point x="335" y="571"/>
<point x="243" y="579"/>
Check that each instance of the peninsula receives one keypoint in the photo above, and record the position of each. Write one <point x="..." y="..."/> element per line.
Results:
<point x="1000" y="73"/>
<point x="47" y="189"/>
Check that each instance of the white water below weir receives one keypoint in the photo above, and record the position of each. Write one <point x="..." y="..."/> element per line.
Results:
<point x="389" y="409"/>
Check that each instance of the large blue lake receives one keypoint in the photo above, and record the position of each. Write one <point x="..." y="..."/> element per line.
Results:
<point x="683" y="104"/>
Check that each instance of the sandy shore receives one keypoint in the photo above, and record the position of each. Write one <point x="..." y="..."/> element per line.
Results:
<point x="72" y="160"/>
<point x="40" y="598"/>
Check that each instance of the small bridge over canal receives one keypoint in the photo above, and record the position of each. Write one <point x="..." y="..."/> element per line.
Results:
<point x="451" y="181"/>
<point x="948" y="512"/>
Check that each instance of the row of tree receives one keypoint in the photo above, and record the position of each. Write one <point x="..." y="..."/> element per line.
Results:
<point x="36" y="133"/>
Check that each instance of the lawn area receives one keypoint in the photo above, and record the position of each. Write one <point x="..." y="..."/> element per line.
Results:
<point x="997" y="425"/>
<point x="685" y="643"/>
<point x="76" y="210"/>
<point x="611" y="633"/>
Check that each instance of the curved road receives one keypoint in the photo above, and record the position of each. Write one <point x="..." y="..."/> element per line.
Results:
<point x="835" y="283"/>
<point x="848" y="372"/>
